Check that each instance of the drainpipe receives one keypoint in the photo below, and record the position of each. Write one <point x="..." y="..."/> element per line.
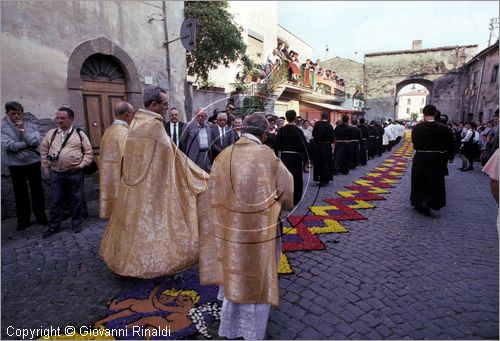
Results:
<point x="164" y="7"/>
<point x="479" y="88"/>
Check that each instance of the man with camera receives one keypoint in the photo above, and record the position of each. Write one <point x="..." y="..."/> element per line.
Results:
<point x="65" y="151"/>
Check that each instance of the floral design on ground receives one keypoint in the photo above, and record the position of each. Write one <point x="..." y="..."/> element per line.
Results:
<point x="304" y="230"/>
<point x="169" y="307"/>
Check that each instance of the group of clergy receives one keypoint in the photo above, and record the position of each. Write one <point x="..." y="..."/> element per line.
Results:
<point x="166" y="213"/>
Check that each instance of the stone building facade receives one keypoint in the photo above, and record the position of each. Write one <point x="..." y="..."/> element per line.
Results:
<point x="349" y="70"/>
<point x="479" y="86"/>
<point x="437" y="69"/>
<point x="50" y="42"/>
<point x="411" y="103"/>
<point x="87" y="55"/>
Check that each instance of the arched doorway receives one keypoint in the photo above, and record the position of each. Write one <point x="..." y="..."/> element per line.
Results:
<point x="99" y="74"/>
<point x="410" y="96"/>
<point x="104" y="84"/>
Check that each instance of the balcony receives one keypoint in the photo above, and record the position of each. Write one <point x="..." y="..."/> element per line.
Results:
<point x="307" y="85"/>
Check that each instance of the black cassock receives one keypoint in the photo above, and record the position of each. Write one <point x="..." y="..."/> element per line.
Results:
<point x="354" y="145"/>
<point x="372" y="140"/>
<point x="323" y="135"/>
<point x="430" y="141"/>
<point x="342" y="153"/>
<point x="379" y="149"/>
<point x="363" y="146"/>
<point x="292" y="144"/>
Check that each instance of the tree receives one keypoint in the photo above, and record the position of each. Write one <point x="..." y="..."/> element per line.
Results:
<point x="218" y="41"/>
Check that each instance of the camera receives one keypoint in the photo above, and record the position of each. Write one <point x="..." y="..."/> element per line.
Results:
<point x="52" y="157"/>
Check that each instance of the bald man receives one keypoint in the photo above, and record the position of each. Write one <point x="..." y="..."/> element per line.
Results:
<point x="110" y="157"/>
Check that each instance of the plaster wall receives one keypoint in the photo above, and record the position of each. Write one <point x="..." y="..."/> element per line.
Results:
<point x="296" y="44"/>
<point x="42" y="35"/>
<point x="260" y="17"/>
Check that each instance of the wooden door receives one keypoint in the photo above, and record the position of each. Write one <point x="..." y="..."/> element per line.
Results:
<point x="99" y="99"/>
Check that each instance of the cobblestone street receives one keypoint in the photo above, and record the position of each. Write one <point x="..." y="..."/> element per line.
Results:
<point x="395" y="275"/>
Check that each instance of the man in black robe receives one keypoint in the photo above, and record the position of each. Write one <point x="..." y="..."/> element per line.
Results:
<point x="430" y="141"/>
<point x="292" y="144"/>
<point x="372" y="140"/>
<point x="379" y="148"/>
<point x="450" y="154"/>
<point x="364" y="142"/>
<point x="342" y="153"/>
<point x="355" y="143"/>
<point x="323" y="137"/>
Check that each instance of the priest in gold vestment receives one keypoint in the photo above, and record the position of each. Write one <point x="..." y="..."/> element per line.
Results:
<point x="240" y="250"/>
<point x="110" y="157"/>
<point x="153" y="229"/>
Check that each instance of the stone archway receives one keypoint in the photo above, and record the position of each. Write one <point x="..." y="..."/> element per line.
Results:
<point x="427" y="84"/>
<point x="75" y="84"/>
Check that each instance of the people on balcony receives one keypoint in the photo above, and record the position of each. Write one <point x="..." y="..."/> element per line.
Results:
<point x="306" y="74"/>
<point x="278" y="50"/>
<point x="272" y="61"/>
<point x="285" y="53"/>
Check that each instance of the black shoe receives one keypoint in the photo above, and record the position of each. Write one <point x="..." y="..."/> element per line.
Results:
<point x="49" y="233"/>
<point x="425" y="210"/>
<point x="470" y="168"/>
<point x="43" y="222"/>
<point x="77" y="229"/>
<point x="85" y="215"/>
<point x="22" y="227"/>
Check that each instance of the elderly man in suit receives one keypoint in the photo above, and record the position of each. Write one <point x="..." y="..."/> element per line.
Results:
<point x="197" y="139"/>
<point x="222" y="135"/>
<point x="174" y="127"/>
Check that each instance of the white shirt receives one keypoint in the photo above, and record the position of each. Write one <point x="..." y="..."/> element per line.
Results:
<point x="64" y="134"/>
<point x="176" y="131"/>
<point x="120" y="122"/>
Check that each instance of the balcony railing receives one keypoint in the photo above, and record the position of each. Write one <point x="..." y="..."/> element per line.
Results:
<point x="307" y="80"/>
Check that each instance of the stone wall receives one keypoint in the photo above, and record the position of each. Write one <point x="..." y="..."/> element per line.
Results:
<point x="438" y="67"/>
<point x="40" y="39"/>
<point x="350" y="71"/>
<point x="480" y="96"/>
<point x="210" y="100"/>
<point x="41" y="36"/>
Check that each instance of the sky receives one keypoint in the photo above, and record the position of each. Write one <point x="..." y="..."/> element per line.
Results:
<point x="377" y="26"/>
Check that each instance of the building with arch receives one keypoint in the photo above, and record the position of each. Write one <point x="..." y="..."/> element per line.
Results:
<point x="88" y="55"/>
<point x="436" y="69"/>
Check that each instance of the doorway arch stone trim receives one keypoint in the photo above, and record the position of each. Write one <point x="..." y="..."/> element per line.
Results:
<point x="103" y="46"/>
<point x="429" y="85"/>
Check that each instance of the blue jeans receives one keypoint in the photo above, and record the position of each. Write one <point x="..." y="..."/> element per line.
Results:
<point x="66" y="185"/>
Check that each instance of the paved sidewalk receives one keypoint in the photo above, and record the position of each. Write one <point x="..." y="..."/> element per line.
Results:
<point x="396" y="275"/>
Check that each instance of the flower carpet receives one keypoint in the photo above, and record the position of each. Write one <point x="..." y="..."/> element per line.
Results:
<point x="303" y="232"/>
<point x="164" y="308"/>
<point x="179" y="307"/>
